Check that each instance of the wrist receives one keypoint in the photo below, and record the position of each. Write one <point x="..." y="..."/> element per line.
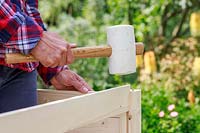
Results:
<point x="57" y="85"/>
<point x="54" y="81"/>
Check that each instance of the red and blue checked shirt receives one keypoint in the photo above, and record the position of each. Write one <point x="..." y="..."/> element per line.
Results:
<point x="20" y="30"/>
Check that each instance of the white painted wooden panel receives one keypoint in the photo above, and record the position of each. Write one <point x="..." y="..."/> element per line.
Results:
<point x="68" y="114"/>
<point x="123" y="123"/>
<point x="109" y="125"/>
<point x="135" y="112"/>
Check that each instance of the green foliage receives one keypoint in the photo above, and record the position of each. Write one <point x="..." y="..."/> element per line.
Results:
<point x="155" y="98"/>
<point x="171" y="86"/>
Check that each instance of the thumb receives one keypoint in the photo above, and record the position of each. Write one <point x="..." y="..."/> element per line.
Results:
<point x="79" y="86"/>
<point x="73" y="45"/>
<point x="70" y="56"/>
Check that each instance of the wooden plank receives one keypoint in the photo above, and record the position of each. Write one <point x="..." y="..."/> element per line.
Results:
<point x="68" y="114"/>
<point x="123" y="123"/>
<point x="109" y="125"/>
<point x="46" y="95"/>
<point x="135" y="112"/>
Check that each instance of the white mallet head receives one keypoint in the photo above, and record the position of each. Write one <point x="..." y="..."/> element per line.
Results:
<point x="122" y="40"/>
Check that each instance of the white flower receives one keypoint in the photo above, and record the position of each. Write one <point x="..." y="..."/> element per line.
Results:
<point x="171" y="107"/>
<point x="161" y="114"/>
<point x="174" y="114"/>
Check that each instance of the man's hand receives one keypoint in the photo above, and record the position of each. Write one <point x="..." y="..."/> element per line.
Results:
<point x="69" y="80"/>
<point x="52" y="50"/>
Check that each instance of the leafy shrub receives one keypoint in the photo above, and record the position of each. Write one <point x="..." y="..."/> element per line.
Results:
<point x="155" y="99"/>
<point x="170" y="85"/>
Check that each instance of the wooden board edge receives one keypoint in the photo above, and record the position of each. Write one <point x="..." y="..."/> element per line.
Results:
<point x="134" y="125"/>
<point x="63" y="115"/>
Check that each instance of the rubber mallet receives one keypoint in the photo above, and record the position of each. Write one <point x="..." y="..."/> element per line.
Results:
<point x="121" y="49"/>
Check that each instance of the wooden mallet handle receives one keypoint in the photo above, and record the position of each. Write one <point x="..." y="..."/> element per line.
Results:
<point x="82" y="52"/>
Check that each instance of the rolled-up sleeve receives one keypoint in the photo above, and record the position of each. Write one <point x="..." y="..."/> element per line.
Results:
<point x="22" y="31"/>
<point x="18" y="30"/>
<point x="32" y="9"/>
<point x="47" y="73"/>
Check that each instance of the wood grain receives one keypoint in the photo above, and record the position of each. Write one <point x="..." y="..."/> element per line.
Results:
<point x="47" y="95"/>
<point x="109" y="125"/>
<point x="82" y="52"/>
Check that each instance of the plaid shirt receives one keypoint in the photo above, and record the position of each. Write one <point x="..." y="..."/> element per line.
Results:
<point x="20" y="30"/>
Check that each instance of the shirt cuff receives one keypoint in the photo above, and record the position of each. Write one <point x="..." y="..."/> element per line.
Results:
<point x="47" y="73"/>
<point x="26" y="38"/>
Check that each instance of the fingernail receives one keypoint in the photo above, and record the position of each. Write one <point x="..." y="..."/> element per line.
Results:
<point x="85" y="89"/>
<point x="91" y="91"/>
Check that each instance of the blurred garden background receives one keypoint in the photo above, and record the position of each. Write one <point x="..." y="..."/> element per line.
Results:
<point x="169" y="72"/>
